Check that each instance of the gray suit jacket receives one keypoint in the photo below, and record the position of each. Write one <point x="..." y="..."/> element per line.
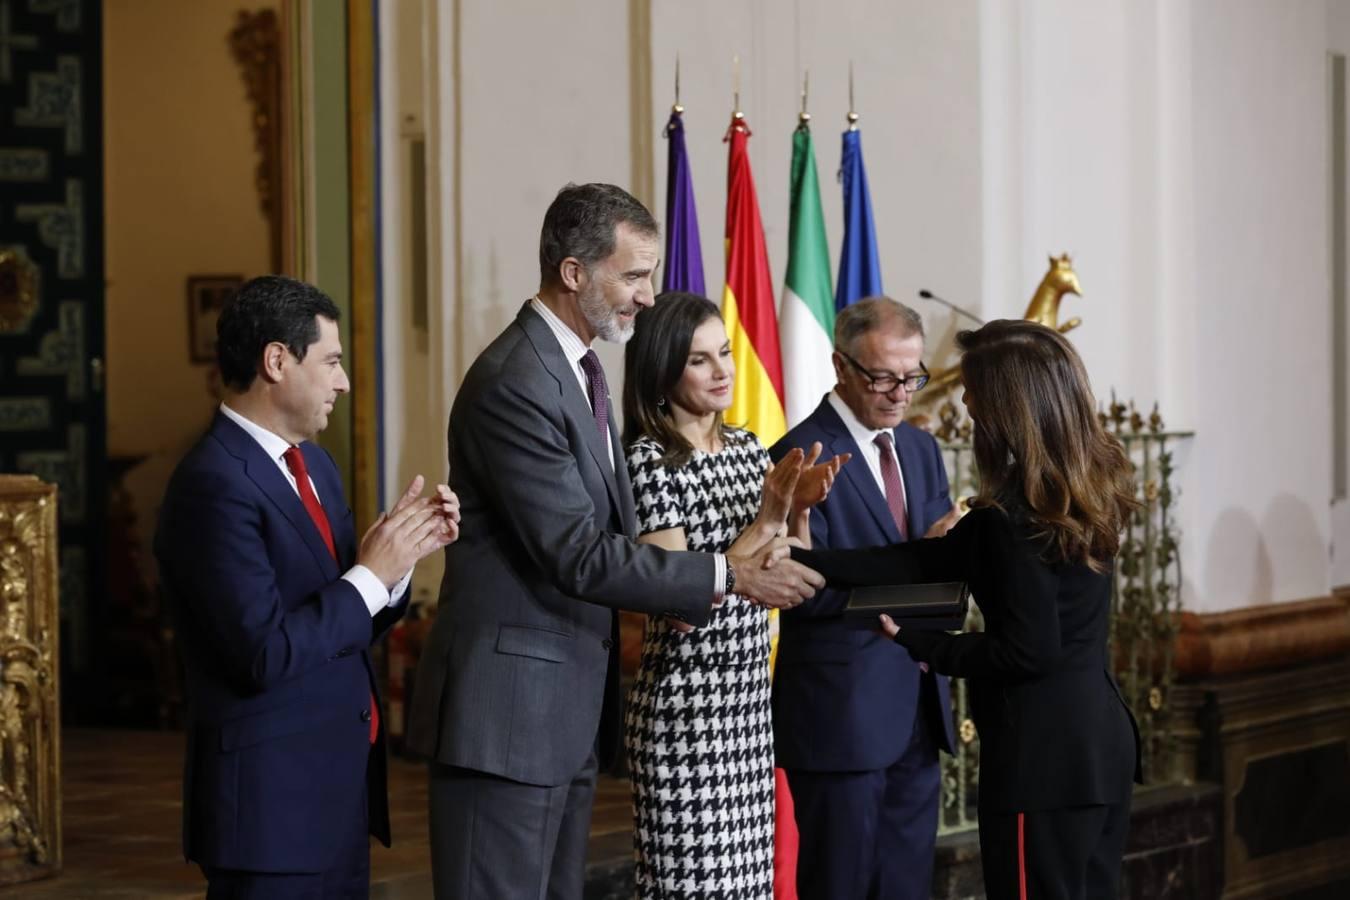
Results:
<point x="520" y="674"/>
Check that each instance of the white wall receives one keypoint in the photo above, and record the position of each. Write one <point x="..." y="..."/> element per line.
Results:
<point x="1176" y="149"/>
<point x="1262" y="475"/>
<point x="542" y="99"/>
<point x="1179" y="151"/>
<point x="916" y="88"/>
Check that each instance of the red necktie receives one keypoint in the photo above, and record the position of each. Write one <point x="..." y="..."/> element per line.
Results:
<point x="895" y="488"/>
<point x="295" y="461"/>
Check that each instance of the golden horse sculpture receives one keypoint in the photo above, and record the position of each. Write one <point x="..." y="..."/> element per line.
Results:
<point x="1043" y="308"/>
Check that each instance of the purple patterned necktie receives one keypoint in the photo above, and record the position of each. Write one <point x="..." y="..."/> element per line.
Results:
<point x="895" y="488"/>
<point x="599" y="391"/>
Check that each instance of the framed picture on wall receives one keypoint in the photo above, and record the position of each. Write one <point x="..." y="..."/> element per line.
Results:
<point x="206" y="296"/>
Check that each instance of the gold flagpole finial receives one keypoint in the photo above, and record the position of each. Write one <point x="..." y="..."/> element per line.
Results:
<point x="804" y="117"/>
<point x="677" y="109"/>
<point x="736" y="87"/>
<point x="852" y="112"/>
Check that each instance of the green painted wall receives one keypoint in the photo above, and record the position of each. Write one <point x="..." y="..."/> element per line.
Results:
<point x="331" y="269"/>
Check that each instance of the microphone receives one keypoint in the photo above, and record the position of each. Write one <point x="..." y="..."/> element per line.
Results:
<point x="929" y="295"/>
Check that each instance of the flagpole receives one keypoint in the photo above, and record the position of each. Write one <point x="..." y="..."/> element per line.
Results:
<point x="677" y="109"/>
<point x="737" y="117"/>
<point x="736" y="86"/>
<point x="804" y="117"/>
<point x="852" y="112"/>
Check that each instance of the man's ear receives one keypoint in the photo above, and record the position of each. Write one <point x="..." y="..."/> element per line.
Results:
<point x="839" y="367"/>
<point x="274" y="358"/>
<point x="572" y="273"/>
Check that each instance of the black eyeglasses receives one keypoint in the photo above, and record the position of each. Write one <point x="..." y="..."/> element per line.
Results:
<point x="884" y="384"/>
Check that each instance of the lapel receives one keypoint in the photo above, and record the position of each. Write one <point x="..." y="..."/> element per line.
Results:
<point x="575" y="405"/>
<point x="856" y="472"/>
<point x="331" y="497"/>
<point x="912" y="469"/>
<point x="266" y="474"/>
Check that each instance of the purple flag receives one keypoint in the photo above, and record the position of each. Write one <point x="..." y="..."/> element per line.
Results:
<point x="684" y="257"/>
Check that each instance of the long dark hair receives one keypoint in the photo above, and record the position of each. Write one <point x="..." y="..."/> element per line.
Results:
<point x="653" y="363"/>
<point x="1037" y="437"/>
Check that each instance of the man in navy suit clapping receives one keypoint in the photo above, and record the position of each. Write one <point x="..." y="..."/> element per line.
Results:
<point x="277" y="606"/>
<point x="857" y="723"/>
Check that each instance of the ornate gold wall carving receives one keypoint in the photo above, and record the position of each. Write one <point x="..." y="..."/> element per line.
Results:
<point x="30" y="743"/>
<point x="255" y="42"/>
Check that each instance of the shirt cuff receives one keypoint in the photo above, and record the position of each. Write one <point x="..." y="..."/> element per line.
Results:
<point x="398" y="594"/>
<point x="369" y="586"/>
<point x="720" y="578"/>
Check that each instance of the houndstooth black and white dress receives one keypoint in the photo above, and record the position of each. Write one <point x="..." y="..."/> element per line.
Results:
<point x="697" y="728"/>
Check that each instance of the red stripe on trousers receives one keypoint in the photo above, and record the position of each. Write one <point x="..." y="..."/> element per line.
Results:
<point x="1021" y="857"/>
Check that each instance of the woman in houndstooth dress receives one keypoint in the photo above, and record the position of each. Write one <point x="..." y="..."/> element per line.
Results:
<point x="697" y="728"/>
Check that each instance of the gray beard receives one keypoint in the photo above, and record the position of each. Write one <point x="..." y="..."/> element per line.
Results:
<point x="604" y="321"/>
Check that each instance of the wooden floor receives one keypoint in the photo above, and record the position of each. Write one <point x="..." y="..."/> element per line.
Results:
<point x="121" y="814"/>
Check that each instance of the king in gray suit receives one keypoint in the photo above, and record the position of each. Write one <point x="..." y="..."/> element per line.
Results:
<point x="517" y="699"/>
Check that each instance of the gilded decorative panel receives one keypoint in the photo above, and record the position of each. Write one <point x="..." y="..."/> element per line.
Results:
<point x="30" y="742"/>
<point x="52" y="418"/>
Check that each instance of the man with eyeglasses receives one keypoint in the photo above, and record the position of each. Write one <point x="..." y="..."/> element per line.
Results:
<point x="857" y="723"/>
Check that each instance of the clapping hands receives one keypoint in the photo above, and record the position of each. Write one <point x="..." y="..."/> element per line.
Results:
<point x="413" y="528"/>
<point x="816" y="479"/>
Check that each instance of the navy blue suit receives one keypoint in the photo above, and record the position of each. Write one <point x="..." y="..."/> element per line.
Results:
<point x="280" y="774"/>
<point x="857" y="725"/>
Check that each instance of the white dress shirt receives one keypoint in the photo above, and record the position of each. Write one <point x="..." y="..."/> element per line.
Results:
<point x="864" y="437"/>
<point x="574" y="349"/>
<point x="367" y="584"/>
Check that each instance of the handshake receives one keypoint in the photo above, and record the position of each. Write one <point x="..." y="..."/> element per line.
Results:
<point x="770" y="579"/>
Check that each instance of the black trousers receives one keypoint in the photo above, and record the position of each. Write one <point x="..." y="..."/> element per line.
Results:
<point x="1054" y="854"/>
<point x="493" y="837"/>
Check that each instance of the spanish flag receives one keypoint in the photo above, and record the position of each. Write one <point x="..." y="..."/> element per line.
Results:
<point x="757" y="396"/>
<point x="747" y="302"/>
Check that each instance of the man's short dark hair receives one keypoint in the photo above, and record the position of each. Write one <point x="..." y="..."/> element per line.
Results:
<point x="581" y="223"/>
<point x="267" y="309"/>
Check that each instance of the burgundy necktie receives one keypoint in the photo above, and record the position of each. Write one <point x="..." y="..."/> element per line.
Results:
<point x="295" y="461"/>
<point x="599" y="393"/>
<point x="895" y="488"/>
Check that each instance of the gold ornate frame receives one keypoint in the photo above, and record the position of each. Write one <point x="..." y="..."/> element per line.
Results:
<point x="255" y="42"/>
<point x="30" y="716"/>
<point x="363" y="132"/>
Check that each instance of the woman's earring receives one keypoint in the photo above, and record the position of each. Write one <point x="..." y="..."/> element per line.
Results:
<point x="660" y="401"/>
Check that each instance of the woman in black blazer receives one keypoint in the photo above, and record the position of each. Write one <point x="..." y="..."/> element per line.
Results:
<point x="1059" y="748"/>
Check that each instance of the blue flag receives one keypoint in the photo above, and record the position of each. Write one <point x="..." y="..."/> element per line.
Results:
<point x="684" y="255"/>
<point x="859" y="266"/>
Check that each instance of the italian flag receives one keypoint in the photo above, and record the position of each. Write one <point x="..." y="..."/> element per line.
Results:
<point x="808" y="297"/>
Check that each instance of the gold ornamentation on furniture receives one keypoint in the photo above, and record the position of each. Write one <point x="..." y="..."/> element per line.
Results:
<point x="18" y="290"/>
<point x="30" y="785"/>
